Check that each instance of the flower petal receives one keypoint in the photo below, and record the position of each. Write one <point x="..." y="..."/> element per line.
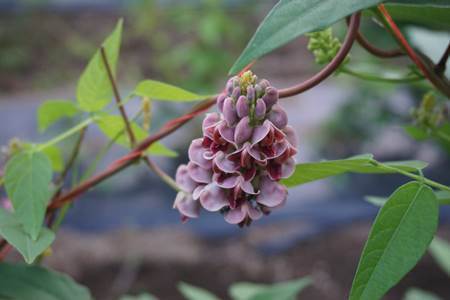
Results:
<point x="186" y="205"/>
<point x="227" y="133"/>
<point x="213" y="198"/>
<point x="184" y="180"/>
<point x="278" y="116"/>
<point x="251" y="211"/>
<point x="235" y="216"/>
<point x="209" y="122"/>
<point x="224" y="164"/>
<point x="243" y="131"/>
<point x="226" y="181"/>
<point x="198" y="173"/>
<point x="271" y="193"/>
<point x="288" y="168"/>
<point x="291" y="136"/>
<point x="198" y="191"/>
<point x="247" y="187"/>
<point x="260" y="132"/>
<point x="196" y="152"/>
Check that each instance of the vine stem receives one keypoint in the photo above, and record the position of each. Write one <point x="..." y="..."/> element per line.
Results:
<point x="66" y="134"/>
<point x="441" y="65"/>
<point x="413" y="176"/>
<point x="371" y="77"/>
<point x="332" y="66"/>
<point x="419" y="60"/>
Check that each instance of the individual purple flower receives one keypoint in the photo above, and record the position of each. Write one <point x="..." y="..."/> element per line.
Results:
<point x="245" y="150"/>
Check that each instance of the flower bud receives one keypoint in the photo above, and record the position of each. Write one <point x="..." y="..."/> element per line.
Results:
<point x="220" y="100"/>
<point x="229" y="111"/>
<point x="271" y="97"/>
<point x="236" y="93"/>
<point x="278" y="117"/>
<point x="260" y="109"/>
<point x="242" y="107"/>
<point x="251" y="94"/>
<point x="243" y="131"/>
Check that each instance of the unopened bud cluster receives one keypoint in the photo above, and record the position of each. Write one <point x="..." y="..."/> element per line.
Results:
<point x="430" y="115"/>
<point x="323" y="45"/>
<point x="245" y="150"/>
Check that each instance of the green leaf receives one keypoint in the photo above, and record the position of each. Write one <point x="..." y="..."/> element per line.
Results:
<point x="27" y="179"/>
<point x="52" y="111"/>
<point x="156" y="90"/>
<point x="443" y="197"/>
<point x="308" y="172"/>
<point x="291" y="18"/>
<point x="435" y="3"/>
<point x="281" y="291"/>
<point x="113" y="127"/>
<point x="19" y="282"/>
<point x="12" y="231"/>
<point x="416" y="133"/>
<point x="191" y="292"/>
<point x="377" y="201"/>
<point x="139" y="297"/>
<point x="399" y="237"/>
<point x="54" y="154"/>
<point x="430" y="16"/>
<point x="440" y="250"/>
<point x="418" y="294"/>
<point x="94" y="90"/>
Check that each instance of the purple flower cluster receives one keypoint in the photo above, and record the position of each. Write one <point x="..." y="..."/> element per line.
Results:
<point x="245" y="150"/>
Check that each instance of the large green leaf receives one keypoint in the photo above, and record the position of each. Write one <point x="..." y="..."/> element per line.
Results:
<point x="291" y="18"/>
<point x="443" y="198"/>
<point x="399" y="237"/>
<point x="94" y="90"/>
<point x="437" y="3"/>
<point x="430" y="16"/>
<point x="27" y="179"/>
<point x="418" y="294"/>
<point x="440" y="250"/>
<point x="21" y="282"/>
<point x="281" y="291"/>
<point x="308" y="172"/>
<point x="191" y="292"/>
<point x="53" y="110"/>
<point x="162" y="91"/>
<point x="113" y="127"/>
<point x="12" y="231"/>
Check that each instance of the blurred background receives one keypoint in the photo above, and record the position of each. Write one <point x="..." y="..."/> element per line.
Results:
<point x="124" y="237"/>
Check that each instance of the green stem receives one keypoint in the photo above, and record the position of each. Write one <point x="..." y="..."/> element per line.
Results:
<point x="413" y="176"/>
<point x="66" y="134"/>
<point x="372" y="77"/>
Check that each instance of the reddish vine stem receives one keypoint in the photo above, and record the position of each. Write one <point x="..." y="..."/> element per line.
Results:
<point x="441" y="65"/>
<point x="363" y="42"/>
<point x="420" y="60"/>
<point x="332" y="66"/>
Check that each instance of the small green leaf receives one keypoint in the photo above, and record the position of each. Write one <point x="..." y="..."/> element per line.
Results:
<point x="440" y="250"/>
<point x="418" y="294"/>
<point x="377" y="201"/>
<point x="12" y="231"/>
<point x="308" y="172"/>
<point x="162" y="91"/>
<point x="191" y="292"/>
<point x="20" y="281"/>
<point x="52" y="111"/>
<point x="443" y="197"/>
<point x="94" y="90"/>
<point x="114" y="128"/>
<point x="291" y="18"/>
<point x="54" y="154"/>
<point x="27" y="179"/>
<point x="399" y="237"/>
<point x="416" y="133"/>
<point x="435" y="3"/>
<point x="281" y="291"/>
